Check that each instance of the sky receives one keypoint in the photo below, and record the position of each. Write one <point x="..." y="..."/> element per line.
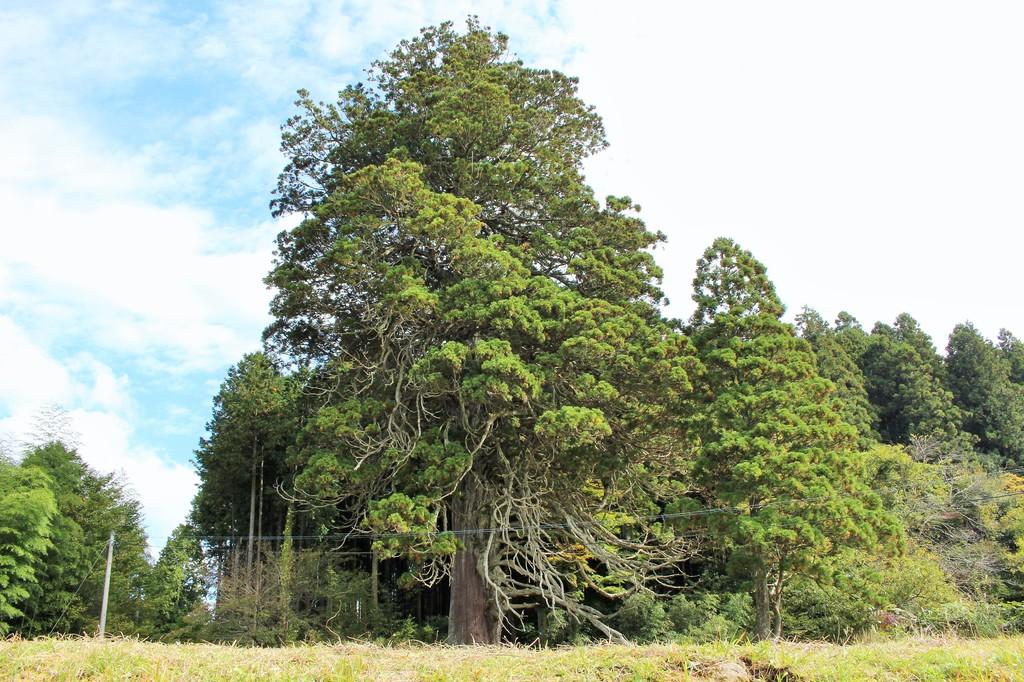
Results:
<point x="871" y="154"/>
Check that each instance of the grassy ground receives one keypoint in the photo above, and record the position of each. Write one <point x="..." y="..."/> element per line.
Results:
<point x="908" y="659"/>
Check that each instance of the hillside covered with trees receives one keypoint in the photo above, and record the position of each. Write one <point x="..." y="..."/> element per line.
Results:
<point x="473" y="421"/>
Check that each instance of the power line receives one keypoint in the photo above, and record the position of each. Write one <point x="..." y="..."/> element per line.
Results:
<point x="88" y="575"/>
<point x="564" y="526"/>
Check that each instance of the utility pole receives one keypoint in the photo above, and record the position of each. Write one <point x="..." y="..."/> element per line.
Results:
<point x="106" y="585"/>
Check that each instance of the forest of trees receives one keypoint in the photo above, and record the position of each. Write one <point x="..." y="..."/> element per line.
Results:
<point x="473" y="421"/>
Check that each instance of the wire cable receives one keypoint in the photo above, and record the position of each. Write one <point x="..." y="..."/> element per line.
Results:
<point x="564" y="526"/>
<point x="92" y="569"/>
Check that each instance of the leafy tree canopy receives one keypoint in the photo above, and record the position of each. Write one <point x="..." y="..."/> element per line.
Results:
<point x="1012" y="349"/>
<point x="254" y="422"/>
<point x="905" y="382"/>
<point x="27" y="508"/>
<point x="836" y="364"/>
<point x="177" y="584"/>
<point x="486" y="334"/>
<point x="771" y="441"/>
<point x="979" y="376"/>
<point x="89" y="507"/>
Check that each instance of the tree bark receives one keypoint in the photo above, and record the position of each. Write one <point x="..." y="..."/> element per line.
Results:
<point x="259" y="514"/>
<point x="252" y="506"/>
<point x="374" y="583"/>
<point x="762" y="605"/>
<point x="287" y="564"/>
<point x="472" y="615"/>
<point x="777" y="605"/>
<point x="259" y="533"/>
<point x="777" y="615"/>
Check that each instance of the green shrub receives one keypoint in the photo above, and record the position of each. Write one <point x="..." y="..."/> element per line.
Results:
<point x="642" y="618"/>
<point x="558" y="628"/>
<point x="868" y="595"/>
<point x="710" y="616"/>
<point x="974" y="618"/>
<point x="404" y="630"/>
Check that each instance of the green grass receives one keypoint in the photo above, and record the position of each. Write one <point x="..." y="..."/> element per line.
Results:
<point x="125" y="659"/>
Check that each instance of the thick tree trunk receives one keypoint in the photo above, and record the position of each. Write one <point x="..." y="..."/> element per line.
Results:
<point x="542" y="623"/>
<point x="762" y="605"/>
<point x="472" y="616"/>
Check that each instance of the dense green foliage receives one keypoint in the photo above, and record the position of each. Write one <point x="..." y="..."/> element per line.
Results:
<point x="176" y="586"/>
<point x="771" y="443"/>
<point x="837" y="363"/>
<point x="57" y="515"/>
<point x="472" y="420"/>
<point x="979" y="376"/>
<point x="27" y="508"/>
<point x="904" y="377"/>
<point x="484" y="333"/>
<point x="242" y="461"/>
<point x="90" y="506"/>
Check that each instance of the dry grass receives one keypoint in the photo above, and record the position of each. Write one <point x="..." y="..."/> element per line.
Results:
<point x="126" y="659"/>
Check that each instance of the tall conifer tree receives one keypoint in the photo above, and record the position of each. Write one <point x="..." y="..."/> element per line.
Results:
<point x="905" y="382"/>
<point x="978" y="375"/>
<point x="1012" y="349"/>
<point x="243" y="456"/>
<point x="836" y="364"/>
<point x="486" y="335"/>
<point x="773" y="451"/>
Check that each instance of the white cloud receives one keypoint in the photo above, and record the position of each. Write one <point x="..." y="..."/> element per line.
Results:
<point x="29" y="376"/>
<point x="89" y="256"/>
<point x="50" y="56"/>
<point x="57" y="155"/>
<point x="212" y="123"/>
<point x="32" y="379"/>
<point x="141" y="279"/>
<point x="108" y="391"/>
<point x="164" y="487"/>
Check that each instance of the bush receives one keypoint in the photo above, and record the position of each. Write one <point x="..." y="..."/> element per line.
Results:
<point x="326" y="601"/>
<point x="710" y="616"/>
<point x="642" y="618"/>
<point x="558" y="628"/>
<point x="404" y="630"/>
<point x="974" y="618"/>
<point x="867" y="595"/>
